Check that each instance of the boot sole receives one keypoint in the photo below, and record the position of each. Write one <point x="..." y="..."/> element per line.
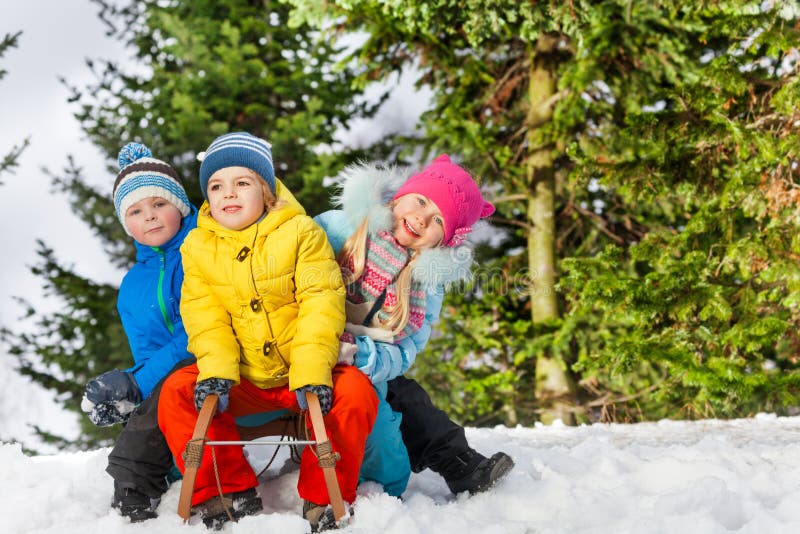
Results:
<point x="243" y="507"/>
<point x="502" y="465"/>
<point x="137" y="515"/>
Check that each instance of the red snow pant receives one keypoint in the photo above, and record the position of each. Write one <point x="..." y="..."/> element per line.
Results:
<point x="348" y="424"/>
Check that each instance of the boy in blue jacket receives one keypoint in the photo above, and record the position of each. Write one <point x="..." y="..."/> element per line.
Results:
<point x="153" y="208"/>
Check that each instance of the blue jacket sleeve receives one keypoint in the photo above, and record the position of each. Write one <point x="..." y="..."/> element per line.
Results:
<point x="153" y="363"/>
<point x="382" y="362"/>
<point x="155" y="366"/>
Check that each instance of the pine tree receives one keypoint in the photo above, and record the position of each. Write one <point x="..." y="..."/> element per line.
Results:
<point x="9" y="161"/>
<point x="198" y="69"/>
<point x="699" y="318"/>
<point x="644" y="150"/>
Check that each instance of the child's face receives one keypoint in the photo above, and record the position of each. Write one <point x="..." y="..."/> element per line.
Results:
<point x="236" y="197"/>
<point x="418" y="223"/>
<point x="153" y="221"/>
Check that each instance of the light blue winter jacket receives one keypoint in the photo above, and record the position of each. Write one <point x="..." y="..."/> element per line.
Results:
<point x="385" y="456"/>
<point x="148" y="305"/>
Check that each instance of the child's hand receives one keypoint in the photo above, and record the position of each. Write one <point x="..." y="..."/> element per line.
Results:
<point x="105" y="413"/>
<point x="111" y="398"/>
<point x="218" y="386"/>
<point x="113" y="386"/>
<point x="347" y="352"/>
<point x="324" y="394"/>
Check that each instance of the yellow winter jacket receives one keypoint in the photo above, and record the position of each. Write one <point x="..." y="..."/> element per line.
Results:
<point x="266" y="302"/>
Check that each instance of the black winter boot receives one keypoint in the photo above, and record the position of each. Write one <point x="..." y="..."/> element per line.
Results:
<point x="133" y="504"/>
<point x="214" y="511"/>
<point x="473" y="472"/>
<point x="319" y="516"/>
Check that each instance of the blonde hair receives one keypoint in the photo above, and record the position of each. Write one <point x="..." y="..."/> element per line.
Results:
<point x="271" y="201"/>
<point x="355" y="249"/>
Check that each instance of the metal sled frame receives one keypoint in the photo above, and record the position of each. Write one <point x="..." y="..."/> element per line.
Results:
<point x="325" y="455"/>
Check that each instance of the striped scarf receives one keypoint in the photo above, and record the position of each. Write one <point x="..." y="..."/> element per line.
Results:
<point x="385" y="258"/>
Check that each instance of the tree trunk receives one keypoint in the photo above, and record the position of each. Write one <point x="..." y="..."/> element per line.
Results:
<point x="555" y="390"/>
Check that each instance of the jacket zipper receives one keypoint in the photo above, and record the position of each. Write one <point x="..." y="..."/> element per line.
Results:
<point x="161" y="304"/>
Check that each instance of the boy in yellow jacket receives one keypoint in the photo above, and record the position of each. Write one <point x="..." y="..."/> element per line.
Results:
<point x="262" y="304"/>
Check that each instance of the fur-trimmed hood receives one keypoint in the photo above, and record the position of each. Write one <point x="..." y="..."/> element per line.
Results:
<point x="366" y="189"/>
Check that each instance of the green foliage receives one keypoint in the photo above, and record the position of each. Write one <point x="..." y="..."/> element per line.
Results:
<point x="478" y="363"/>
<point x="709" y="301"/>
<point x="673" y="131"/>
<point x="9" y="161"/>
<point x="72" y="345"/>
<point x="204" y="68"/>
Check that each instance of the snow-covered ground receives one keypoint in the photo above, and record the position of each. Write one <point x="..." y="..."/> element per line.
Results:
<point x="668" y="477"/>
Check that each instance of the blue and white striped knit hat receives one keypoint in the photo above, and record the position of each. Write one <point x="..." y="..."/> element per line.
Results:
<point x="142" y="176"/>
<point x="238" y="149"/>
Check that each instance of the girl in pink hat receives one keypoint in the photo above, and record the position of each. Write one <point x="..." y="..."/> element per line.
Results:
<point x="399" y="241"/>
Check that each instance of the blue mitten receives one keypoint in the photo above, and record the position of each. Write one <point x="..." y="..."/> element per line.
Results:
<point x="107" y="414"/>
<point x="113" y="386"/>
<point x="219" y="386"/>
<point x="111" y="398"/>
<point x="324" y="394"/>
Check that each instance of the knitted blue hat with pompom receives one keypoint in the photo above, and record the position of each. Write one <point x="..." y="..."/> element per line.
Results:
<point x="238" y="149"/>
<point x="143" y="176"/>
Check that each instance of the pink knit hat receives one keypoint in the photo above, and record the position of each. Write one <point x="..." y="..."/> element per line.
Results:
<point x="454" y="192"/>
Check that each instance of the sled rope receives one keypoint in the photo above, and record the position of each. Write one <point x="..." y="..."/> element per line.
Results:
<point x="292" y="449"/>
<point x="219" y="486"/>
<point x="325" y="455"/>
<point x="299" y="429"/>
<point x="192" y="458"/>
<point x="194" y="452"/>
<point x="323" y="452"/>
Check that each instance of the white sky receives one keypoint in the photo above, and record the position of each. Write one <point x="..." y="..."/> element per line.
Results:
<point x="57" y="37"/>
<point x="670" y="477"/>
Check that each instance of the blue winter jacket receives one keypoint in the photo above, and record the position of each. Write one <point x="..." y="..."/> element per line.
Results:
<point x="148" y="304"/>
<point x="385" y="455"/>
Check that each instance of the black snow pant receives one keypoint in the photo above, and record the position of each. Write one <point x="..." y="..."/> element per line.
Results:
<point x="141" y="458"/>
<point x="432" y="439"/>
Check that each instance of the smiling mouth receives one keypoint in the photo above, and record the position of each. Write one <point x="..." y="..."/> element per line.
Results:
<point x="231" y="209"/>
<point x="410" y="229"/>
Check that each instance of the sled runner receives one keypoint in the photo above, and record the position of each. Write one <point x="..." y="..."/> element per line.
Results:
<point x="285" y="427"/>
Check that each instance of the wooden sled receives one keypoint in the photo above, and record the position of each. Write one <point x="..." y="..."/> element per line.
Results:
<point x="325" y="455"/>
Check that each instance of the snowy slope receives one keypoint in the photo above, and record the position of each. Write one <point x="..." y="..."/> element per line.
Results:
<point x="668" y="477"/>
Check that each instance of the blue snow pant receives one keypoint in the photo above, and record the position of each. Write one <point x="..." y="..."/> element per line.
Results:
<point x="385" y="456"/>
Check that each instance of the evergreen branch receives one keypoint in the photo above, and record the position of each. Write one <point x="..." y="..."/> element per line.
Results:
<point x="601" y="225"/>
<point x="606" y="399"/>
<point x="509" y="198"/>
<point x="774" y="119"/>
<point x="511" y="222"/>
